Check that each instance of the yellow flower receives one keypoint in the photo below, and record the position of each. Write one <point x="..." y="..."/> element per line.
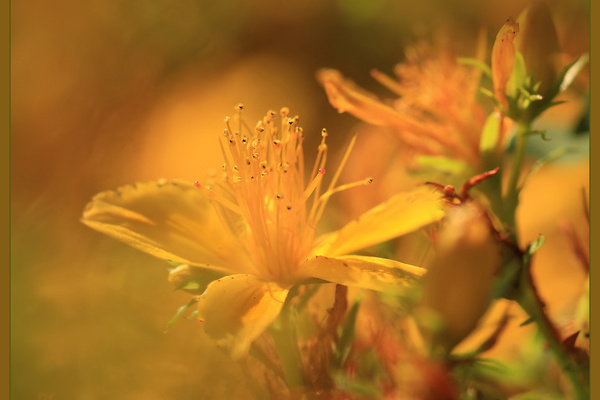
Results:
<point x="436" y="112"/>
<point x="253" y="228"/>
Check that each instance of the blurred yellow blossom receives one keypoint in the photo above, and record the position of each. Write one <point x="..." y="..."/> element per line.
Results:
<point x="436" y="113"/>
<point x="253" y="228"/>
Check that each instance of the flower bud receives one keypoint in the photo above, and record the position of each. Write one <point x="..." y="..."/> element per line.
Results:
<point x="503" y="59"/>
<point x="458" y="286"/>
<point x="538" y="43"/>
<point x="192" y="279"/>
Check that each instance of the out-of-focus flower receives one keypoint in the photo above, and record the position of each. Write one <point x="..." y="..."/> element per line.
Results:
<point x="253" y="228"/>
<point x="436" y="112"/>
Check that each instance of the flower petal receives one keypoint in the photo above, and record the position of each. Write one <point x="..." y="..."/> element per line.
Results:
<point x="345" y="96"/>
<point x="399" y="215"/>
<point x="236" y="309"/>
<point x="169" y="220"/>
<point x="371" y="273"/>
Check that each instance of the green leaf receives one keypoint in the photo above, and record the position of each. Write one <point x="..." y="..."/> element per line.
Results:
<point x="473" y="62"/>
<point x="568" y="74"/>
<point x="345" y="342"/>
<point x="443" y="164"/>
<point x="518" y="77"/>
<point x="490" y="134"/>
<point x="536" y="244"/>
<point x="180" y="311"/>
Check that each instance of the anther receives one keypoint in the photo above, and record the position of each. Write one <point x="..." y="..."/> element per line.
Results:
<point x="321" y="171"/>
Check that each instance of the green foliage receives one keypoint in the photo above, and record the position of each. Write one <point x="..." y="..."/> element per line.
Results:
<point x="490" y="135"/>
<point x="180" y="311"/>
<point x="443" y="164"/>
<point x="480" y="65"/>
<point x="344" y="344"/>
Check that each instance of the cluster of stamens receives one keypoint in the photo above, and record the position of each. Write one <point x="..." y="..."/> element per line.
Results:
<point x="263" y="182"/>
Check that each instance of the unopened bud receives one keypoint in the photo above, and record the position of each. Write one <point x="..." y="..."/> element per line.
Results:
<point x="503" y="59"/>
<point x="192" y="279"/>
<point x="538" y="43"/>
<point x="458" y="286"/>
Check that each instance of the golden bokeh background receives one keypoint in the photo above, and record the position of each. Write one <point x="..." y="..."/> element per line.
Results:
<point x="106" y="93"/>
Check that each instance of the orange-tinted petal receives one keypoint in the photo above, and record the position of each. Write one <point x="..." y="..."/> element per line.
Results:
<point x="236" y="309"/>
<point x="503" y="59"/>
<point x="170" y="220"/>
<point x="345" y="96"/>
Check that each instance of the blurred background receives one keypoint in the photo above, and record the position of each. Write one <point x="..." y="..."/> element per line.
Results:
<point x="109" y="92"/>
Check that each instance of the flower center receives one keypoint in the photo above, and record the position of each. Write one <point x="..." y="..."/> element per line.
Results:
<point x="263" y="182"/>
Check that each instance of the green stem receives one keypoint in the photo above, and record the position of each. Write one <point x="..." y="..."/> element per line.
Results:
<point x="513" y="189"/>
<point x="527" y="296"/>
<point x="530" y="301"/>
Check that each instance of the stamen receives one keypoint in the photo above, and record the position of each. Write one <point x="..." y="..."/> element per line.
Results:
<point x="220" y="199"/>
<point x="346" y="186"/>
<point x="312" y="186"/>
<point x="322" y="202"/>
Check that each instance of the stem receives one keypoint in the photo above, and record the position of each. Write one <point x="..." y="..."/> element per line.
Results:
<point x="513" y="189"/>
<point x="530" y="301"/>
<point x="527" y="295"/>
